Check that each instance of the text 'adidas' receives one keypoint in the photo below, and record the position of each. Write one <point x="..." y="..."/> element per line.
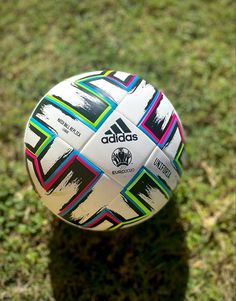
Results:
<point x="118" y="132"/>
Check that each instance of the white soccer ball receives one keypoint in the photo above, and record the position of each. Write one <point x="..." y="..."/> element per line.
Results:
<point x="104" y="149"/>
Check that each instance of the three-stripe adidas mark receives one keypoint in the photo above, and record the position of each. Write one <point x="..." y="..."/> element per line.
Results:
<point x="118" y="132"/>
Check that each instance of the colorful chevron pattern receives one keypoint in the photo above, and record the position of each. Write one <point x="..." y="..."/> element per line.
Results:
<point x="71" y="171"/>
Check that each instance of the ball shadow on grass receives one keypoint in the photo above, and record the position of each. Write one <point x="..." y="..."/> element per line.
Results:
<point x="142" y="263"/>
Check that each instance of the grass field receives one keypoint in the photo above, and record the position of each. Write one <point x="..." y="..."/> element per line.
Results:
<point x="184" y="48"/>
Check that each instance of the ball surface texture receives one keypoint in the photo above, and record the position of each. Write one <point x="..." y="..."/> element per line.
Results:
<point x="104" y="150"/>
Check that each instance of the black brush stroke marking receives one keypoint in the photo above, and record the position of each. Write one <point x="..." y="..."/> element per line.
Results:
<point x="100" y="90"/>
<point x="151" y="100"/>
<point x="82" y="176"/>
<point x="59" y="161"/>
<point x="132" y="206"/>
<point x="92" y="109"/>
<point x="168" y="141"/>
<point x="154" y="125"/>
<point x="68" y="215"/>
<point x="143" y="187"/>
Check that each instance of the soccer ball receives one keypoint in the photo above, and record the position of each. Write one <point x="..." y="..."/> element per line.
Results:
<point x="104" y="150"/>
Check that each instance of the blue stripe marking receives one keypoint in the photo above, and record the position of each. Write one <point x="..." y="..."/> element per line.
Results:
<point x="94" y="167"/>
<point x="43" y="127"/>
<point x="116" y="83"/>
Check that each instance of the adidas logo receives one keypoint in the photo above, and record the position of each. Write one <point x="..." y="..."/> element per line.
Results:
<point x="118" y="132"/>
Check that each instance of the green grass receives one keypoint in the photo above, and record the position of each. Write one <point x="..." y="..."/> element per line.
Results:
<point x="184" y="48"/>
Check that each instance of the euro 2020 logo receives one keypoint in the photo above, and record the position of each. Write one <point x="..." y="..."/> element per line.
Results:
<point x="121" y="156"/>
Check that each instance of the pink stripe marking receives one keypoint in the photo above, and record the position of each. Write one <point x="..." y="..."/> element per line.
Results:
<point x="180" y="129"/>
<point x="28" y="153"/>
<point x="132" y="78"/>
<point x="153" y="107"/>
<point x="98" y="219"/>
<point x="169" y="128"/>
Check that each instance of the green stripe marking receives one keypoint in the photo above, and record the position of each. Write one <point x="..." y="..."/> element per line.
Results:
<point x="128" y="222"/>
<point x="177" y="157"/>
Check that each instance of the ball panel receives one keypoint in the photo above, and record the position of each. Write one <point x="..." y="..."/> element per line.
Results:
<point x="34" y="136"/>
<point x="126" y="81"/>
<point x="157" y="119"/>
<point x="82" y="102"/>
<point x="61" y="175"/>
<point x="143" y="197"/>
<point x="160" y="121"/>
<point x="118" y="148"/>
<point x="161" y="166"/>
<point x="146" y="191"/>
<point x="96" y="199"/>
<point x="135" y="103"/>
<point x="48" y="162"/>
<point x="65" y="125"/>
